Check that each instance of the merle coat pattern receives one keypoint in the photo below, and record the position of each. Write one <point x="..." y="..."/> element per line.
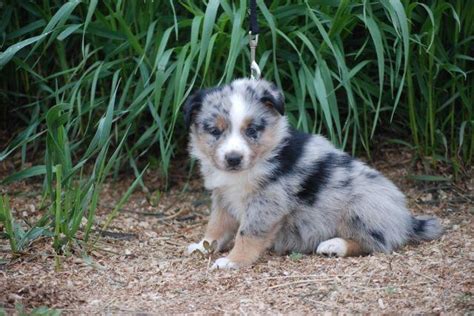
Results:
<point x="275" y="187"/>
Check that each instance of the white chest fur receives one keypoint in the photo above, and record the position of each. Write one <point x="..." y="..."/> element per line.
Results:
<point x="235" y="189"/>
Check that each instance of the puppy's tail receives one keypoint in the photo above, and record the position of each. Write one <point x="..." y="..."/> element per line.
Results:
<point x="425" y="228"/>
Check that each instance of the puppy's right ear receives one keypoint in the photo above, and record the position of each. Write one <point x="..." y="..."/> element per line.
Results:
<point x="192" y="107"/>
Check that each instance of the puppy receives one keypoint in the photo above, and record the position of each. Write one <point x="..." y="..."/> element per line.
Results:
<point x="274" y="187"/>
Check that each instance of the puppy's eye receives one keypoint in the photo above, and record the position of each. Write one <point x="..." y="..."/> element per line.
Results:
<point x="214" y="132"/>
<point x="251" y="132"/>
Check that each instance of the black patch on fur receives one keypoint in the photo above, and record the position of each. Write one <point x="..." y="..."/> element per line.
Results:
<point x="192" y="106"/>
<point x="207" y="125"/>
<point x="418" y="225"/>
<point x="356" y="220"/>
<point x="378" y="236"/>
<point x="338" y="160"/>
<point x="278" y="103"/>
<point x="289" y="154"/>
<point x="261" y="126"/>
<point x="250" y="91"/>
<point x="372" y="174"/>
<point x="316" y="179"/>
<point x="344" y="183"/>
<point x="218" y="108"/>
<point x="344" y="161"/>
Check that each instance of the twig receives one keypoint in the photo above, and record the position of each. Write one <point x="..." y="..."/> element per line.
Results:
<point x="174" y="243"/>
<point x="387" y="287"/>
<point x="167" y="218"/>
<point x="95" y="247"/>
<point x="286" y="277"/>
<point x="370" y="278"/>
<point x="305" y="276"/>
<point x="117" y="235"/>
<point x="300" y="282"/>
<point x="421" y="274"/>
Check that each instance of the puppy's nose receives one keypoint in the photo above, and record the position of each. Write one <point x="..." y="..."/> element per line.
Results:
<point x="233" y="159"/>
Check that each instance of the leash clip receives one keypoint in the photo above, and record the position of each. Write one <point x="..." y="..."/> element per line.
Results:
<point x="254" y="68"/>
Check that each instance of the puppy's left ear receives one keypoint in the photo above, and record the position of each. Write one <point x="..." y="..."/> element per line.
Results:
<point x="274" y="98"/>
<point x="192" y="106"/>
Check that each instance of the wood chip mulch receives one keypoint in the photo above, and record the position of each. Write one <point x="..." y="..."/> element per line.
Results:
<point x="138" y="265"/>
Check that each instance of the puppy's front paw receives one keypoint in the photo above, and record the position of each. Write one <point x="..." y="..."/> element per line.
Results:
<point x="224" y="263"/>
<point x="333" y="247"/>
<point x="197" y="247"/>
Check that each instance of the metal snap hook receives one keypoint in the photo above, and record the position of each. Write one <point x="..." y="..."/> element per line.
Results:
<point x="254" y="68"/>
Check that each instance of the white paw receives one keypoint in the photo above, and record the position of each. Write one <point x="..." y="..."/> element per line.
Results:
<point x="197" y="247"/>
<point x="224" y="263"/>
<point x="333" y="247"/>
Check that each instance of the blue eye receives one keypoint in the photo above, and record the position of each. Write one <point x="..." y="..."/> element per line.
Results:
<point x="251" y="132"/>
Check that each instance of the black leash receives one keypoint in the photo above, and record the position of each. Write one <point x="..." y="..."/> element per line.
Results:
<point x="253" y="40"/>
<point x="254" y="30"/>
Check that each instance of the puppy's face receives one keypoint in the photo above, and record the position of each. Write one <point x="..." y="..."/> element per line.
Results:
<point x="235" y="125"/>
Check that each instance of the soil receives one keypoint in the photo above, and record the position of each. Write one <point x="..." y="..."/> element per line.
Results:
<point x="138" y="264"/>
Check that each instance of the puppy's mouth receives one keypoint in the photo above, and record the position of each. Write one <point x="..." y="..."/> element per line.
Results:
<point x="231" y="169"/>
<point x="234" y="169"/>
<point x="240" y="168"/>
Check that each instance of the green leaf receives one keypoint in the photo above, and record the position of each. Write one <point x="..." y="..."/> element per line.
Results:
<point x="25" y="174"/>
<point x="429" y="178"/>
<point x="10" y="52"/>
<point x="68" y="31"/>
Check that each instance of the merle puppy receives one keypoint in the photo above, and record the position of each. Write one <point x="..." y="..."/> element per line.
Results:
<point x="274" y="187"/>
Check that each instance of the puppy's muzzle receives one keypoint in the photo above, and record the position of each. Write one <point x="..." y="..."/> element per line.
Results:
<point x="233" y="160"/>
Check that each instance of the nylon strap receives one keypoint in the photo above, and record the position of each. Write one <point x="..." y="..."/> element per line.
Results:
<point x="254" y="30"/>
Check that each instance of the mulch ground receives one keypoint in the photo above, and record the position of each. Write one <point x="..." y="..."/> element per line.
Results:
<point x="138" y="264"/>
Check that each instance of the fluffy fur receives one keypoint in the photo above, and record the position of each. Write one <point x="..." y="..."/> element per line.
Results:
<point x="274" y="187"/>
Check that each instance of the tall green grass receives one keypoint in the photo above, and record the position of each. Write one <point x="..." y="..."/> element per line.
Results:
<point x="101" y="82"/>
<point x="349" y="68"/>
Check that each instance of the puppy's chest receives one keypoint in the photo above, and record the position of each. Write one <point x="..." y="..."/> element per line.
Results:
<point x="236" y="199"/>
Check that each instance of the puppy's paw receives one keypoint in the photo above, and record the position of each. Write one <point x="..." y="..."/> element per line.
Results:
<point x="224" y="264"/>
<point x="197" y="247"/>
<point x="333" y="247"/>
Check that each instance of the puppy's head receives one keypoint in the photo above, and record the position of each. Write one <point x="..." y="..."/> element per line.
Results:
<point x="236" y="125"/>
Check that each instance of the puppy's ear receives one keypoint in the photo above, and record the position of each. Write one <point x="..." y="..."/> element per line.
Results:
<point x="192" y="106"/>
<point x="274" y="98"/>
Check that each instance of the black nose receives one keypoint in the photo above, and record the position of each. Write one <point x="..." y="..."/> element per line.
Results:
<point x="233" y="159"/>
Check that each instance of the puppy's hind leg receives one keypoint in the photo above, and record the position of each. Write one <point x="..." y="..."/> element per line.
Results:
<point x="340" y="247"/>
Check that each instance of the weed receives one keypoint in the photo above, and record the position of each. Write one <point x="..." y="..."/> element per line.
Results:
<point x="295" y="256"/>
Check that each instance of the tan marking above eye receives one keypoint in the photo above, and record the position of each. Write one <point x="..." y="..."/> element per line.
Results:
<point x="247" y="121"/>
<point x="221" y="123"/>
